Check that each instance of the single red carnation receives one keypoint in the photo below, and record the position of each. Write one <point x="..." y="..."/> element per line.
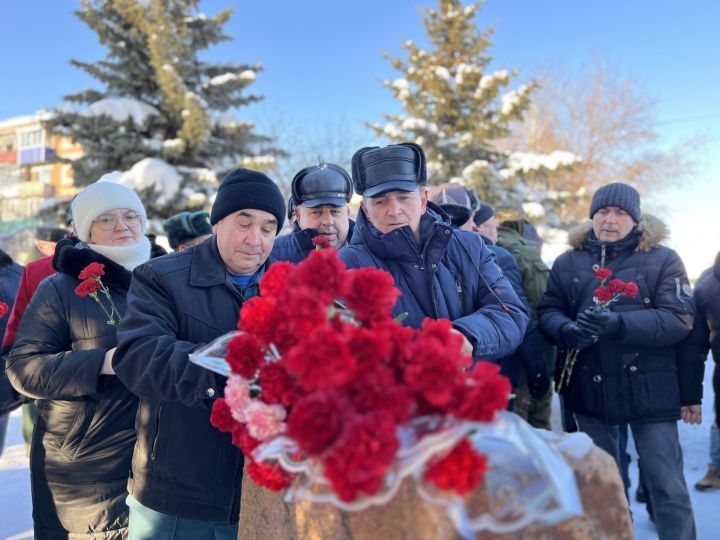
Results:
<point x="304" y="310"/>
<point x="243" y="440"/>
<point x="461" y="471"/>
<point x="316" y="421"/>
<point x="604" y="294"/>
<point x="399" y="337"/>
<point x="370" y="294"/>
<point x="370" y="347"/>
<point x="603" y="273"/>
<point x="270" y="476"/>
<point x="221" y="417"/>
<point x="92" y="270"/>
<point x="362" y="455"/>
<point x="322" y="272"/>
<point x="376" y="389"/>
<point x="274" y="281"/>
<point x="277" y="385"/>
<point x="262" y="318"/>
<point x="617" y="286"/>
<point x="244" y="355"/>
<point x="322" y="361"/>
<point x="482" y="392"/>
<point x="86" y="287"/>
<point x="430" y="371"/>
<point x="631" y="289"/>
<point x="321" y="242"/>
<point x="3" y="309"/>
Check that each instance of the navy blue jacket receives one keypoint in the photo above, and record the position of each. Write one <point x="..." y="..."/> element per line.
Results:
<point x="450" y="274"/>
<point x="297" y="245"/>
<point x="631" y="376"/>
<point x="182" y="465"/>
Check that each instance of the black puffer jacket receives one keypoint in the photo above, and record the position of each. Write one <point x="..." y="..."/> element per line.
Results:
<point x="10" y="274"/>
<point x="706" y="333"/>
<point x="84" y="434"/>
<point x="632" y="376"/>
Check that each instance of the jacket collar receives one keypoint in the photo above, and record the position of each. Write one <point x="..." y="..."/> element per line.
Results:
<point x="207" y="268"/>
<point x="72" y="255"/>
<point x="400" y="244"/>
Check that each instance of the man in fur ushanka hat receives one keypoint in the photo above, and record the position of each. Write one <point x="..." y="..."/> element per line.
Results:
<point x="627" y="371"/>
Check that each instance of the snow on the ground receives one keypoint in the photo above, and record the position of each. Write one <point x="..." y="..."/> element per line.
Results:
<point x="16" y="508"/>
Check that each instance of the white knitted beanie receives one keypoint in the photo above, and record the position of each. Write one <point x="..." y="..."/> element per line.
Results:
<point x="105" y="194"/>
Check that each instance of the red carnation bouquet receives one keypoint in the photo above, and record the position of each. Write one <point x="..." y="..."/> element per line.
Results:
<point x="91" y="284"/>
<point x="325" y="385"/>
<point x="605" y="295"/>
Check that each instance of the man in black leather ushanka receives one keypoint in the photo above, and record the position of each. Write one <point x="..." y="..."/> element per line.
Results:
<point x="186" y="475"/>
<point x="628" y="370"/>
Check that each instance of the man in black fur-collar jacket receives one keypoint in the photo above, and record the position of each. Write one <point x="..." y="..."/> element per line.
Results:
<point x="627" y="371"/>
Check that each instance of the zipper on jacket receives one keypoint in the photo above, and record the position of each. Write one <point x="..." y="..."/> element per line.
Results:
<point x="153" y="450"/>
<point x="458" y="285"/>
<point x="602" y="255"/>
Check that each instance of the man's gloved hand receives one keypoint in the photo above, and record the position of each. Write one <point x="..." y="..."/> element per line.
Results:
<point x="599" y="323"/>
<point x="538" y="385"/>
<point x="577" y="337"/>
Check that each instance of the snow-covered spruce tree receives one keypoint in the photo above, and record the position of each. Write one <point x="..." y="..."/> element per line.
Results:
<point x="460" y="112"/>
<point x="163" y="116"/>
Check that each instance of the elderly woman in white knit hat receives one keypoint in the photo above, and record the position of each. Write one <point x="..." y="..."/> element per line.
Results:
<point x="84" y="437"/>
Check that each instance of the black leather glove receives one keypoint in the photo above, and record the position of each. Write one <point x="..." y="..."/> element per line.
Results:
<point x="576" y="337"/>
<point x="599" y="323"/>
<point x="538" y="385"/>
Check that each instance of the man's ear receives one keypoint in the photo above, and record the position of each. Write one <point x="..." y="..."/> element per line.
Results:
<point x="214" y="229"/>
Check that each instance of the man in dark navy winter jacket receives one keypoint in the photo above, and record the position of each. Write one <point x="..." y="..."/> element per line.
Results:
<point x="628" y="370"/>
<point x="320" y="196"/>
<point x="441" y="272"/>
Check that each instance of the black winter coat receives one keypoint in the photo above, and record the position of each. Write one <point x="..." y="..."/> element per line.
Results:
<point x="84" y="434"/>
<point x="705" y="335"/>
<point x="182" y="465"/>
<point x="633" y="376"/>
<point x="10" y="274"/>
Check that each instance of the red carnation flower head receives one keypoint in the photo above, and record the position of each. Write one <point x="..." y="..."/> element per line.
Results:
<point x="399" y="337"/>
<point x="244" y="355"/>
<point x="322" y="361"/>
<point x="442" y="330"/>
<point x="322" y="272"/>
<point x="361" y="456"/>
<point x="262" y="318"/>
<point x="274" y="281"/>
<point x="430" y="371"/>
<point x="3" y="309"/>
<point x="376" y="389"/>
<point x="617" y="286"/>
<point x="370" y="294"/>
<point x="92" y="270"/>
<point x="221" y="416"/>
<point x="369" y="347"/>
<point x="316" y="420"/>
<point x="603" y="273"/>
<point x="269" y="475"/>
<point x="303" y="311"/>
<point x="321" y="242"/>
<point x="277" y="386"/>
<point x="631" y="289"/>
<point x="461" y="471"/>
<point x="243" y="440"/>
<point x="603" y="294"/>
<point x="481" y="393"/>
<point x="87" y="287"/>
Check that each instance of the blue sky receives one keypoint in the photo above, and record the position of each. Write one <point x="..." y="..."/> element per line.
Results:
<point x="323" y="62"/>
